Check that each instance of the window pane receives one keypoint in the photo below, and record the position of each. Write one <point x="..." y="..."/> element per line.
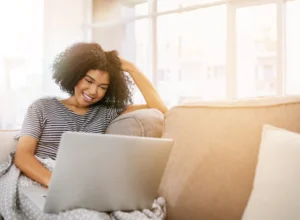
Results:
<point x="191" y="58"/>
<point x="293" y="48"/>
<point x="135" y="47"/>
<point x="256" y="50"/>
<point x="131" y="41"/>
<point x="185" y="3"/>
<point x="136" y="9"/>
<point x="141" y="9"/>
<point x="168" y="58"/>
<point x="166" y="5"/>
<point x="104" y="11"/>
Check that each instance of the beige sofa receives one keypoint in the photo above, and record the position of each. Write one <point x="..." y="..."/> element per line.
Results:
<point x="210" y="171"/>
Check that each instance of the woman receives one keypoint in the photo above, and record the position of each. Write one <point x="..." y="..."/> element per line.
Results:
<point x="99" y="92"/>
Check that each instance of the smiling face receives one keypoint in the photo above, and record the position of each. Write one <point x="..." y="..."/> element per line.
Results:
<point x="91" y="88"/>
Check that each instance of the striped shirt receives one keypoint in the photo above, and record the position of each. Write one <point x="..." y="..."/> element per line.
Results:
<point x="47" y="119"/>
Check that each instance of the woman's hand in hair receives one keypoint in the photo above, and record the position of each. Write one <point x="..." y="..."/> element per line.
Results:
<point x="151" y="96"/>
<point x="126" y="65"/>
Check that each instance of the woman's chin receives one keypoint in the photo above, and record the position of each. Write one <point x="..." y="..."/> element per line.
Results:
<point x="84" y="103"/>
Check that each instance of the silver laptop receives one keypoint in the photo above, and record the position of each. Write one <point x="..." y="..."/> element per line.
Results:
<point x="103" y="172"/>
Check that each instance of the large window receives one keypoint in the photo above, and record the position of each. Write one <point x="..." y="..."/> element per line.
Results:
<point x="209" y="49"/>
<point x="191" y="58"/>
<point x="21" y="61"/>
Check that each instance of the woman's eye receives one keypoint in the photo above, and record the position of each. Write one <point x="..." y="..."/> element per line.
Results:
<point x="90" y="82"/>
<point x="103" y="87"/>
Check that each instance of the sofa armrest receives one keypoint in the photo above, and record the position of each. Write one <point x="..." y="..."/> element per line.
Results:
<point x="8" y="143"/>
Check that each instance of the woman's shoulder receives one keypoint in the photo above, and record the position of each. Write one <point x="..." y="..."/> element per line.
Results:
<point x="106" y="108"/>
<point x="44" y="102"/>
<point x="110" y="111"/>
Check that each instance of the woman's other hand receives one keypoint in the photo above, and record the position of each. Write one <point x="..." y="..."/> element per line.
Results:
<point x="151" y="96"/>
<point x="126" y="65"/>
<point x="28" y="163"/>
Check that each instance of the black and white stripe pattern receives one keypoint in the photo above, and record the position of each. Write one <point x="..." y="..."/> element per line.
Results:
<point x="47" y="119"/>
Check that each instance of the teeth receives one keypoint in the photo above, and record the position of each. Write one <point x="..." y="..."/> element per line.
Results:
<point x="87" y="97"/>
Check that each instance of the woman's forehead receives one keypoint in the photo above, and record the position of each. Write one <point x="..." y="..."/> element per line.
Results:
<point x="99" y="76"/>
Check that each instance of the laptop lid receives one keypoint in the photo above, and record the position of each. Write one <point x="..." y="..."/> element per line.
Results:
<point x="106" y="172"/>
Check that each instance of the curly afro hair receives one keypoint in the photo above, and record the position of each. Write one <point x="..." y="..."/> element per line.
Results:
<point x="71" y="66"/>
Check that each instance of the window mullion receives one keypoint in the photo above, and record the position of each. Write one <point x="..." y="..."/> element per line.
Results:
<point x="153" y="41"/>
<point x="281" y="48"/>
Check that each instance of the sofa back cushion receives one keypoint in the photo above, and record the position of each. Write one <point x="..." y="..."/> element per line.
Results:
<point x="145" y="123"/>
<point x="212" y="164"/>
<point x="7" y="144"/>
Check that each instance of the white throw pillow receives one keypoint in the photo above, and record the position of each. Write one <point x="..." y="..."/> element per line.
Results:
<point x="276" y="191"/>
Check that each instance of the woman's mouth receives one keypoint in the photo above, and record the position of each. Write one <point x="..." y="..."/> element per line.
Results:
<point x="86" y="97"/>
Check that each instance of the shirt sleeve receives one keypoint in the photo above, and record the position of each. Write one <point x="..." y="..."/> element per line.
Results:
<point x="114" y="113"/>
<point x="33" y="122"/>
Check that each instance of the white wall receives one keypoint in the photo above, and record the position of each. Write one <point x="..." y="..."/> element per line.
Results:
<point x="64" y="24"/>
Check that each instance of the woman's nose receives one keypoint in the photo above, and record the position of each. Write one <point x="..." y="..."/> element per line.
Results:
<point x="93" y="89"/>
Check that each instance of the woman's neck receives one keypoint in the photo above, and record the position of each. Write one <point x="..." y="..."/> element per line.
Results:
<point x="72" y="104"/>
